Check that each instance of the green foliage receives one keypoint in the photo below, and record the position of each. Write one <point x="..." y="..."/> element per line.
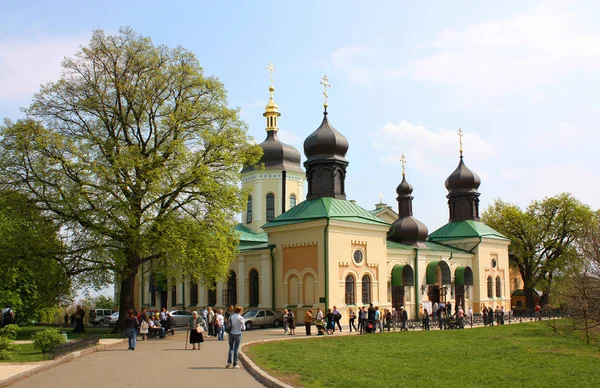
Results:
<point x="517" y="355"/>
<point x="542" y="236"/>
<point x="47" y="339"/>
<point x="104" y="302"/>
<point x="6" y="343"/>
<point x="31" y="278"/>
<point x="5" y="355"/>
<point x="135" y="154"/>
<point x="10" y="331"/>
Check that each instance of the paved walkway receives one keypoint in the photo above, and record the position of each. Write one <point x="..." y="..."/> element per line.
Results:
<point x="154" y="363"/>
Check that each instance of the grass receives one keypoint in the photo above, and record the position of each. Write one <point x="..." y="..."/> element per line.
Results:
<point x="529" y="354"/>
<point x="104" y="332"/>
<point x="25" y="353"/>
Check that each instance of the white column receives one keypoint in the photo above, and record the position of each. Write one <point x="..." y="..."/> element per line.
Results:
<point x="219" y="291"/>
<point x="264" y="283"/>
<point x="241" y="282"/>
<point x="202" y="294"/>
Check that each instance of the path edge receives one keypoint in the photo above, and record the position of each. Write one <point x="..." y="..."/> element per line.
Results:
<point x="52" y="364"/>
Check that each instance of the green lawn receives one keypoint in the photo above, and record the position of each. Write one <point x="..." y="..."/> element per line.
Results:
<point x="529" y="354"/>
<point x="104" y="332"/>
<point x="25" y="353"/>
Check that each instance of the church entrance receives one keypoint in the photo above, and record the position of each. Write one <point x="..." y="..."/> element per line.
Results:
<point x="397" y="297"/>
<point x="459" y="294"/>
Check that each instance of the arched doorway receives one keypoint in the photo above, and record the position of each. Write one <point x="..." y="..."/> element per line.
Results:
<point x="232" y="289"/>
<point x="253" y="285"/>
<point x="402" y="276"/>
<point x="437" y="277"/>
<point x="463" y="277"/>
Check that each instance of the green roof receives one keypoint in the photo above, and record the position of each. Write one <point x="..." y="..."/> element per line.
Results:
<point x="380" y="210"/>
<point x="246" y="234"/>
<point x="325" y="208"/>
<point x="465" y="229"/>
<point x="429" y="246"/>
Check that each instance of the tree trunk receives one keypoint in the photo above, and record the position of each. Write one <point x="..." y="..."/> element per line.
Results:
<point x="529" y="302"/>
<point x="126" y="296"/>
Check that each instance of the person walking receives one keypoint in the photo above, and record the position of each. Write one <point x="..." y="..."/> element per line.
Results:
<point x="196" y="328"/>
<point x="220" y="325"/>
<point x="291" y="322"/>
<point x="403" y="319"/>
<point x="319" y="322"/>
<point x="377" y="319"/>
<point x="209" y="322"/>
<point x="235" y="337"/>
<point x="425" y="320"/>
<point x="284" y="318"/>
<point x="163" y="319"/>
<point x="352" y="318"/>
<point x="329" y="318"/>
<point x="470" y="316"/>
<point x="362" y="319"/>
<point x="460" y="316"/>
<point x="337" y="317"/>
<point x="79" y="315"/>
<point x="144" y="325"/>
<point x="7" y="316"/>
<point x="308" y="320"/>
<point x="131" y="326"/>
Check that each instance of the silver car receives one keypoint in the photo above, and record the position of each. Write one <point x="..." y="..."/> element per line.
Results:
<point x="261" y="318"/>
<point x="180" y="317"/>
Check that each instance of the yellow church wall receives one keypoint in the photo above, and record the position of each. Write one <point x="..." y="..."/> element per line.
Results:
<point x="344" y="239"/>
<point x="299" y="265"/>
<point x="486" y="251"/>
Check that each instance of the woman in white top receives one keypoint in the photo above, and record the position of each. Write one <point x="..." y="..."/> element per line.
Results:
<point x="235" y="337"/>
<point x="144" y="328"/>
<point x="220" y="325"/>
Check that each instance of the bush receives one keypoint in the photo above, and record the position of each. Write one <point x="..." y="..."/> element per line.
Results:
<point x="45" y="340"/>
<point x="5" y="355"/>
<point x="10" y="331"/>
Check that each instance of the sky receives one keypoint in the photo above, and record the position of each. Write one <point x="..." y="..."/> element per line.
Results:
<point x="520" y="78"/>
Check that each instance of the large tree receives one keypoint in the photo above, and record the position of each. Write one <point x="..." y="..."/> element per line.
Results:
<point x="31" y="277"/>
<point x="135" y="156"/>
<point x="542" y="237"/>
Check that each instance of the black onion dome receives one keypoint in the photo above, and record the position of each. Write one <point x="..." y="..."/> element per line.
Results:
<point x="325" y="143"/>
<point x="462" y="180"/>
<point x="277" y="155"/>
<point x="404" y="188"/>
<point x="408" y="231"/>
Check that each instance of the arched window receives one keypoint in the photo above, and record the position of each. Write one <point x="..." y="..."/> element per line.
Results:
<point x="232" y="289"/>
<point x="350" y="289"/>
<point x="292" y="200"/>
<point x="498" y="288"/>
<point x="366" y="289"/>
<point x="270" y="206"/>
<point x="173" y="295"/>
<point x="490" y="287"/>
<point x="249" y="210"/>
<point x="253" y="280"/>
<point x="212" y="294"/>
<point x="193" y="293"/>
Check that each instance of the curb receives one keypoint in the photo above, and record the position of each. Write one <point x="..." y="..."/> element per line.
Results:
<point x="52" y="364"/>
<point x="260" y="375"/>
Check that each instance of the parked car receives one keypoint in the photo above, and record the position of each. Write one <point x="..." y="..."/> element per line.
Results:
<point x="112" y="319"/>
<point x="98" y="316"/>
<point x="180" y="317"/>
<point x="261" y="318"/>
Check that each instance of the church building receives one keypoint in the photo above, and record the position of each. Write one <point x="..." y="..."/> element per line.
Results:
<point x="318" y="249"/>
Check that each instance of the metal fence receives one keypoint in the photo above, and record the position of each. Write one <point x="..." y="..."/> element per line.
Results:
<point x="73" y="346"/>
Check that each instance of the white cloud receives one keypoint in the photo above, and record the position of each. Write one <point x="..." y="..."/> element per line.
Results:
<point x="289" y="138"/>
<point x="512" y="56"/>
<point x="25" y="64"/>
<point x="357" y="62"/>
<point x="427" y="150"/>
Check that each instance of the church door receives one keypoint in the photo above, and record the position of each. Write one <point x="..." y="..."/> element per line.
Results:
<point x="433" y="292"/>
<point x="397" y="297"/>
<point x="459" y="293"/>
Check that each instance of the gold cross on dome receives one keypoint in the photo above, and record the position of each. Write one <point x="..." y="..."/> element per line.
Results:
<point x="403" y="161"/>
<point x="271" y="69"/>
<point x="326" y="85"/>
<point x="460" y="139"/>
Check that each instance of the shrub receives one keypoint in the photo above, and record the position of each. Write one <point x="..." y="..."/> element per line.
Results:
<point x="45" y="340"/>
<point x="5" y="355"/>
<point x="10" y="331"/>
<point x="6" y="345"/>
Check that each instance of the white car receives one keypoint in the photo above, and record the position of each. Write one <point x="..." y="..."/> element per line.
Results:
<point x="112" y="319"/>
<point x="180" y="317"/>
